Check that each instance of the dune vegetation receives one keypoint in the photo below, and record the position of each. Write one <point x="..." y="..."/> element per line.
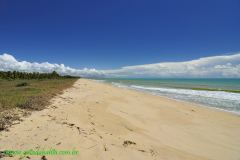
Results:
<point x="21" y="93"/>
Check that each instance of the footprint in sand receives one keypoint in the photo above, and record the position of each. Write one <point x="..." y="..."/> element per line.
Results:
<point x="91" y="116"/>
<point x="153" y="152"/>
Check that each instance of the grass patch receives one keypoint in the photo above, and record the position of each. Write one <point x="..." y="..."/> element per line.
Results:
<point x="18" y="97"/>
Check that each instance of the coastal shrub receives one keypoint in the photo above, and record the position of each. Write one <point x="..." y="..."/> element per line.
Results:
<point x="126" y="143"/>
<point x="12" y="75"/>
<point x="34" y="97"/>
<point x="34" y="103"/>
<point x="22" y="84"/>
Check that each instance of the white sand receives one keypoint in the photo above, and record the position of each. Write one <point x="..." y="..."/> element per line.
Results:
<point x="105" y="116"/>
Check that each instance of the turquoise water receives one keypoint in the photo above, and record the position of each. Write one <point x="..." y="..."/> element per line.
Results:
<point x="209" y="92"/>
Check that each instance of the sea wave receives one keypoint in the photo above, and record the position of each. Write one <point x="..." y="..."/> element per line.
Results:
<point x="210" y="94"/>
<point x="218" y="99"/>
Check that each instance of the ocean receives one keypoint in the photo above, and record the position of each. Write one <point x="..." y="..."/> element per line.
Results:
<point x="222" y="94"/>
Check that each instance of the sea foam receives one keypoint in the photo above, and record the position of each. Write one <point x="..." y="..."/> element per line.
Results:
<point x="218" y="99"/>
<point x="210" y="94"/>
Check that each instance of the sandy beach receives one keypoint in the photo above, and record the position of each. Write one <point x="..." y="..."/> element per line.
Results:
<point x="109" y="123"/>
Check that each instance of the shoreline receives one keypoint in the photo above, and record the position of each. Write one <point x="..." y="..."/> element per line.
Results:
<point x="102" y="121"/>
<point x="174" y="99"/>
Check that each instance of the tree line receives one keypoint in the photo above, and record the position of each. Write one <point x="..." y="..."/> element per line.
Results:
<point x="34" y="75"/>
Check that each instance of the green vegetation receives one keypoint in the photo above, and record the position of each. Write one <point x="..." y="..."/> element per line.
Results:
<point x="35" y="75"/>
<point x="21" y="93"/>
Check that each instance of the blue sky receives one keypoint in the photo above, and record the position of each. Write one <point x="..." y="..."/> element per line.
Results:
<point x="111" y="34"/>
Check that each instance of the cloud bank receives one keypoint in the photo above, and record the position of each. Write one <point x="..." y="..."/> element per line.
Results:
<point x="9" y="63"/>
<point x="226" y="66"/>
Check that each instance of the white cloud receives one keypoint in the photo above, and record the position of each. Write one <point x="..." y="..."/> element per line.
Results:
<point x="9" y="63"/>
<point x="217" y="66"/>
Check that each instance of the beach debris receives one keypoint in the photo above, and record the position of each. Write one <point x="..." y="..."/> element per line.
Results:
<point x="43" y="158"/>
<point x="78" y="128"/>
<point x="141" y="150"/>
<point x="59" y="143"/>
<point x="72" y="125"/>
<point x="69" y="124"/>
<point x="105" y="148"/>
<point x="2" y="154"/>
<point x="126" y="143"/>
